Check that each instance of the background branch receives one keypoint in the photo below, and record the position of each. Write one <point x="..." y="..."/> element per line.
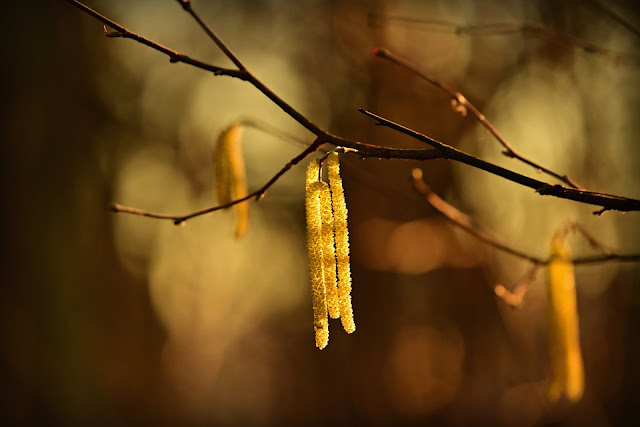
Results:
<point x="465" y="222"/>
<point x="538" y="31"/>
<point x="515" y="298"/>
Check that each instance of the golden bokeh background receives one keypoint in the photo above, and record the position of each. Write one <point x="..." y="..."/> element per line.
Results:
<point x="121" y="320"/>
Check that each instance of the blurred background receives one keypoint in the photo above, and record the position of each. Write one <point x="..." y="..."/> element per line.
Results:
<point x="119" y="320"/>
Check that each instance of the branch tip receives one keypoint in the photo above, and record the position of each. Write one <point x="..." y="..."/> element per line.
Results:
<point x="380" y="52"/>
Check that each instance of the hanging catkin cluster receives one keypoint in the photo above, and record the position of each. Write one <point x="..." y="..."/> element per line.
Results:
<point x="328" y="249"/>
<point x="567" y="374"/>
<point x="231" y="181"/>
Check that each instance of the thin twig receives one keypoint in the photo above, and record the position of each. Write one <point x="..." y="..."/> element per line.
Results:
<point x="610" y="201"/>
<point x="505" y="28"/>
<point x="593" y="241"/>
<point x="186" y="5"/>
<point x="367" y="150"/>
<point x="515" y="298"/>
<point x="258" y="194"/>
<point x="615" y="16"/>
<point x="462" y="101"/>
<point x="271" y="130"/>
<point x="174" y="56"/>
<point x="465" y="222"/>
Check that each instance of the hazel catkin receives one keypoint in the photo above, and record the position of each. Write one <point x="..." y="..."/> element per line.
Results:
<point x="231" y="180"/>
<point x="313" y="209"/>
<point x="342" y="243"/>
<point x="567" y="371"/>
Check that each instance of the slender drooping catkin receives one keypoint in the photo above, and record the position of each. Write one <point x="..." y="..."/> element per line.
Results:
<point x="342" y="243"/>
<point x="313" y="210"/>
<point x="567" y="372"/>
<point x="231" y="181"/>
<point x="329" y="252"/>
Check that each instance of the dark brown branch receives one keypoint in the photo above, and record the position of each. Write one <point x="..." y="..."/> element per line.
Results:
<point x="363" y="149"/>
<point x="367" y="150"/>
<point x="258" y="194"/>
<point x="608" y="201"/>
<point x="462" y="101"/>
<point x="174" y="56"/>
<point x="463" y="221"/>
<point x="186" y="5"/>
<point x="258" y="84"/>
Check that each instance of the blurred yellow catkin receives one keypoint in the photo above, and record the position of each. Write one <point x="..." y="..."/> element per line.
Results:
<point x="567" y="372"/>
<point x="231" y="180"/>
<point x="313" y="209"/>
<point x="342" y="242"/>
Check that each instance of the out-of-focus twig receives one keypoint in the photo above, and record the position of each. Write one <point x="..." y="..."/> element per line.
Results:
<point x="539" y="31"/>
<point x="465" y="222"/>
<point x="615" y="16"/>
<point x="515" y="298"/>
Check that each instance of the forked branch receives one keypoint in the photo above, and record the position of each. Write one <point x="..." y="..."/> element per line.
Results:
<point x="607" y="201"/>
<point x="460" y="101"/>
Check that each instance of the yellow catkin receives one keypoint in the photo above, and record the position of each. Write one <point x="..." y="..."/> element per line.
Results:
<point x="342" y="243"/>
<point x="231" y="181"/>
<point x="313" y="210"/>
<point x="567" y="372"/>
<point x="329" y="252"/>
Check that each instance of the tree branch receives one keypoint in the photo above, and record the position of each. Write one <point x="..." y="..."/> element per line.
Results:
<point x="122" y="32"/>
<point x="186" y="5"/>
<point x="515" y="298"/>
<point x="461" y="101"/>
<point x="258" y="194"/>
<point x="465" y="222"/>
<point x="607" y="201"/>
